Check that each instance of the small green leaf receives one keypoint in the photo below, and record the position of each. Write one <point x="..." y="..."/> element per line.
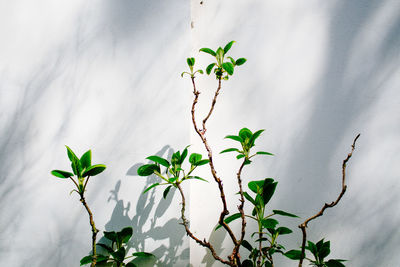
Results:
<point x="264" y="153"/>
<point x="173" y="179"/>
<point x="148" y="169"/>
<point x="86" y="159"/>
<point x="228" y="46"/>
<point x="245" y="133"/>
<point x="232" y="61"/>
<point x="268" y="190"/>
<point x="125" y="234"/>
<point x="71" y="154"/>
<point x="220" y="56"/>
<point x="234" y="137"/>
<point x="284" y="213"/>
<point x="200" y="71"/>
<point x="255" y="136"/>
<point x="194" y="157"/>
<point x="334" y="263"/>
<point x="166" y="191"/>
<point x="208" y="51"/>
<point x="249" y="198"/>
<point x="209" y="68"/>
<point x="190" y="61"/>
<point x="240" y="156"/>
<point x="230" y="219"/>
<point x="111" y="236"/>
<point x="293" y="254"/>
<point x="202" y="162"/>
<point x="142" y="254"/>
<point x="86" y="260"/>
<point x="229" y="150"/>
<point x="150" y="187"/>
<point x="184" y="154"/>
<point x="247" y="263"/>
<point x="198" y="178"/>
<point x="312" y="247"/>
<point x="228" y="67"/>
<point x="94" y="170"/>
<point x="256" y="186"/>
<point x="246" y="245"/>
<point x="284" y="231"/>
<point x="119" y="255"/>
<point x="240" y="61"/>
<point x="269" y="223"/>
<point x="61" y="174"/>
<point x="159" y="160"/>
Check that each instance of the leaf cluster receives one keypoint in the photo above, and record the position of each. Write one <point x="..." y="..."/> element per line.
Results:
<point x="173" y="173"/>
<point x="82" y="168"/>
<point x="320" y="251"/>
<point x="222" y="69"/>
<point x="247" y="139"/>
<point x="116" y="250"/>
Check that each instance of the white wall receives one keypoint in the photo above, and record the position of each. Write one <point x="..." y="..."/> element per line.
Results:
<point x="105" y="75"/>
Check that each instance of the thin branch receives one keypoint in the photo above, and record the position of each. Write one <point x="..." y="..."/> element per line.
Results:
<point x="203" y="243"/>
<point x="201" y="134"/>
<point x="235" y="252"/>
<point x="94" y="230"/>
<point x="304" y="225"/>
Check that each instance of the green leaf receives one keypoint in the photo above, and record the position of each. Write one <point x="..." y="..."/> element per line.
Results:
<point x="230" y="219"/>
<point x="119" y="255"/>
<point x="61" y="174"/>
<point x="293" y="254"/>
<point x="166" y="191"/>
<point x="86" y="260"/>
<point x="194" y="157"/>
<point x="284" y="213"/>
<point x="334" y="263"/>
<point x="234" y="137"/>
<point x="229" y="150"/>
<point x="246" y="245"/>
<point x="131" y="264"/>
<point x="111" y="236"/>
<point x="184" y="154"/>
<point x="71" y="154"/>
<point x="94" y="170"/>
<point x="245" y="133"/>
<point x="76" y="166"/>
<point x="247" y="263"/>
<point x="312" y="247"/>
<point x="284" y="230"/>
<point x="228" y="67"/>
<point x="200" y="71"/>
<point x="159" y="160"/>
<point x="173" y="179"/>
<point x="240" y="61"/>
<point x="268" y="190"/>
<point x="86" y="159"/>
<point x="198" y="178"/>
<point x="240" y="156"/>
<point x="232" y="61"/>
<point x="208" y="51"/>
<point x="190" y="61"/>
<point x="325" y="250"/>
<point x="202" y="162"/>
<point x="228" y="46"/>
<point x="269" y="223"/>
<point x="255" y="136"/>
<point x="264" y="153"/>
<point x="148" y="169"/>
<point x="150" y="187"/>
<point x="125" y="234"/>
<point x="142" y="254"/>
<point x="256" y="186"/>
<point x="219" y="55"/>
<point x="249" y="198"/>
<point x="209" y="68"/>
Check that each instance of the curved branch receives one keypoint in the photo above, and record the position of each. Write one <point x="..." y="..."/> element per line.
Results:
<point x="304" y="225"/>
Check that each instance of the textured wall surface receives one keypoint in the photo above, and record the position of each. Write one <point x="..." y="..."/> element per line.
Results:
<point x="105" y="75"/>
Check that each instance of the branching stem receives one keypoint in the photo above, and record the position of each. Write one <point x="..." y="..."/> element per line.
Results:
<point x="304" y="225"/>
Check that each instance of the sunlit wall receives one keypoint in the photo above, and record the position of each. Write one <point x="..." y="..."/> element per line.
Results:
<point x="105" y="75"/>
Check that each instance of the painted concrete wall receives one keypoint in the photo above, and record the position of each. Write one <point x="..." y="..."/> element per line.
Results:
<point x="105" y="75"/>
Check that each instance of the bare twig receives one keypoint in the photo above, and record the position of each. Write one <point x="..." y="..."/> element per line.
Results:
<point x="201" y="133"/>
<point x="304" y="225"/>
<point x="94" y="230"/>
<point x="203" y="243"/>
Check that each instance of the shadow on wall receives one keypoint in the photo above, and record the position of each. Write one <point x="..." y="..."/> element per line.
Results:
<point x="148" y="210"/>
